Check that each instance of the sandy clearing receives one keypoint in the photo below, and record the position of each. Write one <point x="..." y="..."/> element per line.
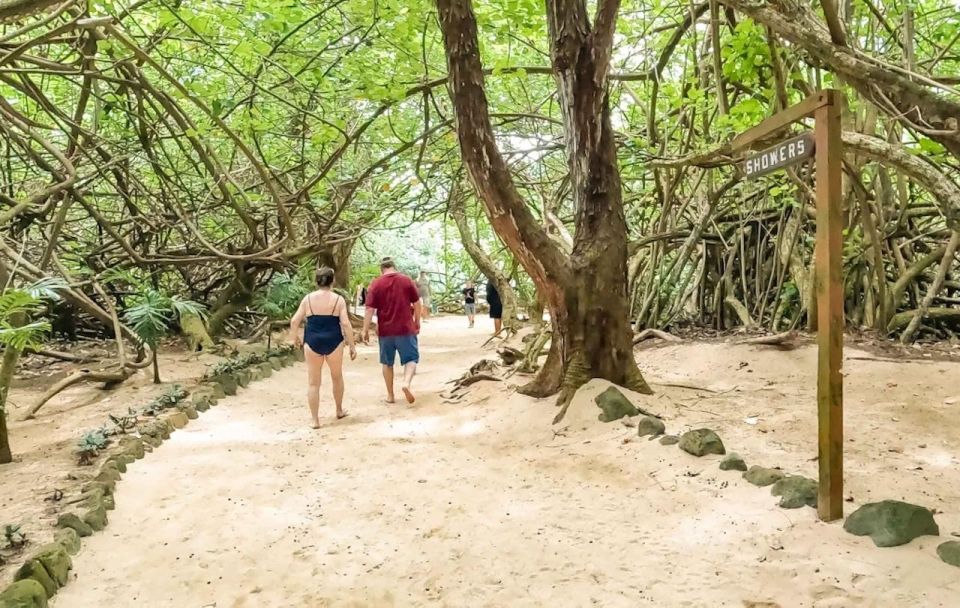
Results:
<point x="483" y="505"/>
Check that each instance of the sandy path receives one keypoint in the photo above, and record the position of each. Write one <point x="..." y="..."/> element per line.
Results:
<point x="477" y="505"/>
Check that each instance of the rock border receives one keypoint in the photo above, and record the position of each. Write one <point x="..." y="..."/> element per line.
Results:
<point x="46" y="570"/>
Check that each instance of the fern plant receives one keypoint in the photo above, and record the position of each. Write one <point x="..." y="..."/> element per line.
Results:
<point x="280" y="300"/>
<point x="152" y="316"/>
<point x="19" y="331"/>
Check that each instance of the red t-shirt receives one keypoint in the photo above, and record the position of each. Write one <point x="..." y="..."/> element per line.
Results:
<point x="392" y="296"/>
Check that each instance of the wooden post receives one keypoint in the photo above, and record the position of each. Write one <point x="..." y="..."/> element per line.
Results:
<point x="830" y="321"/>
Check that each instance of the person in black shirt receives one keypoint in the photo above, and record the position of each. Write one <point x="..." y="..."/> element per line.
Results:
<point x="496" y="307"/>
<point x="470" y="301"/>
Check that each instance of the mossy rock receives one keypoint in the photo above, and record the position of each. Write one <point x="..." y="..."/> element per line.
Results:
<point x="57" y="562"/>
<point x="69" y="539"/>
<point x="106" y="486"/>
<point x="132" y="446"/>
<point x="190" y="411"/>
<point x="202" y="400"/>
<point x="107" y="475"/>
<point x="796" y="491"/>
<point x="762" y="476"/>
<point x="152" y="441"/>
<point x="276" y="363"/>
<point x="891" y="523"/>
<point x="96" y="518"/>
<point x="733" y="462"/>
<point x="949" y="552"/>
<point x="701" y="442"/>
<point x="95" y="497"/>
<point x="227" y="383"/>
<point x="122" y="460"/>
<point x="195" y="332"/>
<point x="72" y="521"/>
<point x="649" y="425"/>
<point x="216" y="389"/>
<point x="160" y="429"/>
<point x="177" y="420"/>
<point x="24" y="594"/>
<point x="34" y="570"/>
<point x="298" y="355"/>
<point x="243" y="377"/>
<point x="614" y="405"/>
<point x="266" y="370"/>
<point x="669" y="440"/>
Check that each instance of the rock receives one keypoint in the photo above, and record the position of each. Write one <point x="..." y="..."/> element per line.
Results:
<point x="949" y="552"/>
<point x="24" y="594"/>
<point x="795" y="491"/>
<point x="122" y="460"/>
<point x="56" y="561"/>
<point x="733" y="462"/>
<point x="96" y="497"/>
<point x="190" y="411"/>
<point x="108" y="474"/>
<point x="177" y="419"/>
<point x="614" y="405"/>
<point x="96" y="518"/>
<point x="153" y="442"/>
<point x="158" y="428"/>
<point x="132" y="446"/>
<point x="701" y="442"/>
<point x="73" y="522"/>
<point x="266" y="370"/>
<point x="33" y="570"/>
<point x="669" y="440"/>
<point x="227" y="383"/>
<point x="298" y="354"/>
<point x="202" y="400"/>
<point x="891" y="523"/>
<point x="276" y="363"/>
<point x="761" y="476"/>
<point x="648" y="425"/>
<point x="195" y="332"/>
<point x="243" y="377"/>
<point x="217" y="390"/>
<point x="69" y="539"/>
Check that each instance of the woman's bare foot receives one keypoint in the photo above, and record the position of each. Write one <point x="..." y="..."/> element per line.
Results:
<point x="342" y="415"/>
<point x="408" y="394"/>
<point x="315" y="425"/>
<point x="390" y="401"/>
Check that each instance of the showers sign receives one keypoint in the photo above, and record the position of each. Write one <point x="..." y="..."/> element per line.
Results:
<point x="782" y="155"/>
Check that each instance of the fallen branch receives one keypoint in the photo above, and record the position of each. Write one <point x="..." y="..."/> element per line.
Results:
<point x="61" y="356"/>
<point x="84" y="375"/>
<point x="655" y="333"/>
<point x="785" y="339"/>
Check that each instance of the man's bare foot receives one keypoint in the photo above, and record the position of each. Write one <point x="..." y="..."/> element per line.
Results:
<point x="408" y="394"/>
<point x="342" y="415"/>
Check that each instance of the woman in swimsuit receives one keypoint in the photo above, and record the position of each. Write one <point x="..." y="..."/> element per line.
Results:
<point x="327" y="325"/>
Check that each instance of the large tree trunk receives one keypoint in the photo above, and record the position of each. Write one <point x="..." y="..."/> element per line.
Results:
<point x="486" y="265"/>
<point x="586" y="292"/>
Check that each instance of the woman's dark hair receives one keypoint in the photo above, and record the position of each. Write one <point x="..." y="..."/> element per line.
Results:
<point x="325" y="276"/>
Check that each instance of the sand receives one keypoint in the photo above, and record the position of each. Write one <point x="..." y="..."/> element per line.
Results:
<point x="485" y="503"/>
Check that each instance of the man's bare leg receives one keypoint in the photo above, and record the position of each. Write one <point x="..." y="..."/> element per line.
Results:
<point x="388" y="380"/>
<point x="409" y="371"/>
<point x="497" y="326"/>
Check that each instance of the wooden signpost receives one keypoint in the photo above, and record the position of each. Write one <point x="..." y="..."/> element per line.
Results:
<point x="826" y="146"/>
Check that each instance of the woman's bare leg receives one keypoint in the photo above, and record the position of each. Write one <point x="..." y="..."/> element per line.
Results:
<point x="314" y="376"/>
<point x="335" y="363"/>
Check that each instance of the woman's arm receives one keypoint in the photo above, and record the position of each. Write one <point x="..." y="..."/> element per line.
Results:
<point x="296" y="336"/>
<point x="347" y="329"/>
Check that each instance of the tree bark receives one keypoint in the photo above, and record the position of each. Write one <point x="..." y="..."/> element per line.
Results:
<point x="7" y="368"/>
<point x="586" y="292"/>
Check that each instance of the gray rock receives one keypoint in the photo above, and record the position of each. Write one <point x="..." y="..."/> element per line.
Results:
<point x="649" y="425"/>
<point x="96" y="497"/>
<point x="96" y="518"/>
<point x="106" y="487"/>
<point x="202" y="403"/>
<point x="276" y="363"/>
<point x="266" y="370"/>
<point x="614" y="405"/>
<point x="108" y="474"/>
<point x="122" y="460"/>
<point x="669" y="440"/>
<point x="132" y="446"/>
<point x="227" y="383"/>
<point x="177" y="420"/>
<point x="216" y="389"/>
<point x="73" y="522"/>
<point x="701" y="442"/>
<point x="795" y="491"/>
<point x="243" y="377"/>
<point x="949" y="552"/>
<point x="762" y="476"/>
<point x="190" y="411"/>
<point x="298" y="355"/>
<point x="891" y="523"/>
<point x="69" y="539"/>
<point x="24" y="594"/>
<point x="733" y="462"/>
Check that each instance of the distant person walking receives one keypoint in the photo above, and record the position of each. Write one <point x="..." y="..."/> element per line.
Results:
<point x="470" y="301"/>
<point x="423" y="288"/>
<point x="328" y="325"/>
<point x="360" y="298"/>
<point x="396" y="301"/>
<point x="496" y="307"/>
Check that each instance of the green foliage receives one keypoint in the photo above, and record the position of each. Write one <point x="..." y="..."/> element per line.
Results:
<point x="240" y="362"/>
<point x="19" y="305"/>
<point x="14" y="536"/>
<point x="282" y="296"/>
<point x="169" y="399"/>
<point x="153" y="314"/>
<point x="91" y="444"/>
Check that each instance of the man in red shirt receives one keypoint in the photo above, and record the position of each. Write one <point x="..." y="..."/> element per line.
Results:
<point x="395" y="298"/>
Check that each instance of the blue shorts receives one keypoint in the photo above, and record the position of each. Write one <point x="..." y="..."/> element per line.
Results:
<point x="405" y="345"/>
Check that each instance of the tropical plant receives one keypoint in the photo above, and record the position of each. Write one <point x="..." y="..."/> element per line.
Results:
<point x="91" y="444"/>
<point x="153" y="314"/>
<point x="280" y="299"/>
<point x="172" y="396"/>
<point x="18" y="332"/>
